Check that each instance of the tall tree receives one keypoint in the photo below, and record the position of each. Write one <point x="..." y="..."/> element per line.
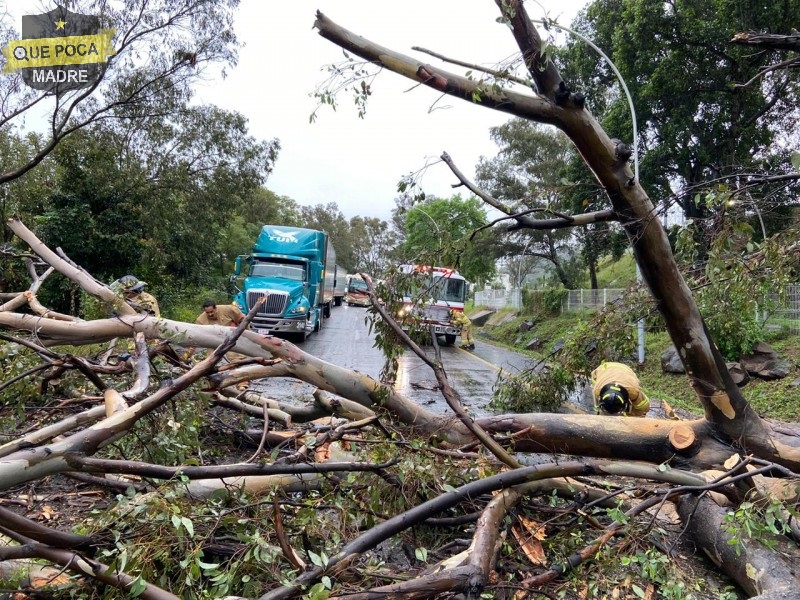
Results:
<point x="438" y="231"/>
<point x="328" y="217"/>
<point x="375" y="245"/>
<point x="180" y="40"/>
<point x="158" y="198"/>
<point x="528" y="175"/>
<point x="697" y="121"/>
<point x="26" y="194"/>
<point x="266" y="207"/>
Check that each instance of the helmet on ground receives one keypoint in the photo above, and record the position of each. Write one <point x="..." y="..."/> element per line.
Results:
<point x="614" y="398"/>
<point x="129" y="283"/>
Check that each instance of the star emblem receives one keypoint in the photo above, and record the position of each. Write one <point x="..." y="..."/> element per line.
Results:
<point x="60" y="24"/>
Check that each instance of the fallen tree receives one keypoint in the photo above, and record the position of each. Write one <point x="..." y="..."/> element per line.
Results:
<point x="762" y="478"/>
<point x="693" y="446"/>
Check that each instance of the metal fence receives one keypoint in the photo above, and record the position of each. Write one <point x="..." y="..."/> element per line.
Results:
<point x="589" y="299"/>
<point x="499" y="298"/>
<point x="787" y="315"/>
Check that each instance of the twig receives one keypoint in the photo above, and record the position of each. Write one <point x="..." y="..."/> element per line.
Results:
<point x="493" y="72"/>
<point x="263" y="441"/>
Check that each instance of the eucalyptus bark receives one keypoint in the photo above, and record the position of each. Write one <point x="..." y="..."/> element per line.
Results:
<point x="759" y="570"/>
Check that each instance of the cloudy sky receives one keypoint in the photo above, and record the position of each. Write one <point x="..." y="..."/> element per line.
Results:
<point x="358" y="162"/>
<point x="341" y="158"/>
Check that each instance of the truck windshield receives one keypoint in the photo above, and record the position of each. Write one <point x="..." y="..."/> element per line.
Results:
<point x="357" y="285"/>
<point x="285" y="271"/>
<point x="450" y="290"/>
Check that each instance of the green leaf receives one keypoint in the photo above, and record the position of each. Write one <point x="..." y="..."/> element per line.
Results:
<point x="188" y="525"/>
<point x="318" y="592"/>
<point x="421" y="554"/>
<point x="638" y="591"/>
<point x="316" y="559"/>
<point x="449" y="488"/>
<point x="138" y="586"/>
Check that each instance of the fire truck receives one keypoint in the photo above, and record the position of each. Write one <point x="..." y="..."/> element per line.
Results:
<point x="434" y="292"/>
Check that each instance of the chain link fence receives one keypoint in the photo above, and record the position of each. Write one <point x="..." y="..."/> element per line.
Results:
<point x="499" y="298"/>
<point x="787" y="315"/>
<point x="577" y="300"/>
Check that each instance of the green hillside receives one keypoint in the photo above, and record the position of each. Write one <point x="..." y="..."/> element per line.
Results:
<point x="616" y="274"/>
<point x="776" y="399"/>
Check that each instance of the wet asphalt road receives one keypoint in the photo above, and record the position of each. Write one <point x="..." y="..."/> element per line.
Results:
<point x="345" y="340"/>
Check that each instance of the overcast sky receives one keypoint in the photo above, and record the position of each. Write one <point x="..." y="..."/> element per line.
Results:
<point x="358" y="162"/>
<point x="341" y="158"/>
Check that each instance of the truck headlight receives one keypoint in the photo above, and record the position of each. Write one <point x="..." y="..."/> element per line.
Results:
<point x="298" y="310"/>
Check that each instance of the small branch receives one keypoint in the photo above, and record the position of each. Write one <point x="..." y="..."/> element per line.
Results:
<point x="494" y="73"/>
<point x="523" y="221"/>
<point x="142" y="469"/>
<point x="263" y="440"/>
<point x="87" y="567"/>
<point x="141" y="368"/>
<point x="40" y="533"/>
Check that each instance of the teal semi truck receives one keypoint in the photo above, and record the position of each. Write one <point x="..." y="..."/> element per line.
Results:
<point x="295" y="269"/>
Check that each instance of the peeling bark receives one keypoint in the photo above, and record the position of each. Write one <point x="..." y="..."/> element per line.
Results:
<point x="760" y="571"/>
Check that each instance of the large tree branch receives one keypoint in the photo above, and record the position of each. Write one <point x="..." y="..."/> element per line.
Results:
<point x="474" y="489"/>
<point x="430" y="76"/>
<point x="773" y="41"/>
<point x="779" y="443"/>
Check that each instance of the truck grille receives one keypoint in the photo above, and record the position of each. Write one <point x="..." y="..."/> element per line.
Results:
<point x="275" y="304"/>
<point x="437" y="313"/>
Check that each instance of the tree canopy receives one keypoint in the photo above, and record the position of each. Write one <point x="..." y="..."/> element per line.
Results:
<point x="161" y="48"/>
<point x="443" y="228"/>
<point x="700" y="119"/>
<point x="529" y="175"/>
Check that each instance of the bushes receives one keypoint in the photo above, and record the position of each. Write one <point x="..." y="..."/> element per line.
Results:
<point x="543" y="302"/>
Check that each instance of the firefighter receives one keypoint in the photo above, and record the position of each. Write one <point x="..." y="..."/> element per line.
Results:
<point x="460" y="318"/>
<point x="616" y="390"/>
<point x="133" y="291"/>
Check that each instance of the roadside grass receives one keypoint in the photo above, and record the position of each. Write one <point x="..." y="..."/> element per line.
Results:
<point x="777" y="399"/>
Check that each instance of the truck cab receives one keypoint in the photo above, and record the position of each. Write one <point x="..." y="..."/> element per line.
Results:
<point x="287" y="268"/>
